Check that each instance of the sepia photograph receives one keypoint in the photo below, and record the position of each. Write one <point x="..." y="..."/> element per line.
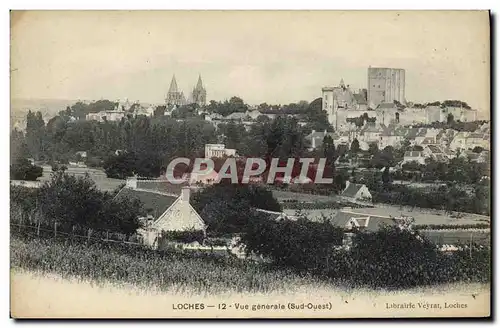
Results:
<point x="250" y="164"/>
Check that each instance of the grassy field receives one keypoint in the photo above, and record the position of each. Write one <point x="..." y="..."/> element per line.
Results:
<point x="102" y="181"/>
<point x="131" y="265"/>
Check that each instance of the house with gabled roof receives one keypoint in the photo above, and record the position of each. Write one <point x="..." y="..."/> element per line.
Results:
<point x="355" y="191"/>
<point x="437" y="153"/>
<point x="164" y="212"/>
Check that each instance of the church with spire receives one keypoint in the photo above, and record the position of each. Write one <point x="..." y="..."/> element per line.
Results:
<point x="174" y="96"/>
<point x="199" y="94"/>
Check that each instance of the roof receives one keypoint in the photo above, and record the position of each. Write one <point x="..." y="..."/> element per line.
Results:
<point x="352" y="189"/>
<point x="162" y="186"/>
<point x="375" y="222"/>
<point x="274" y="215"/>
<point x="476" y="135"/>
<point x="154" y="202"/>
<point x="387" y="106"/>
<point x="434" y="149"/>
<point x="340" y="219"/>
<point x="236" y="116"/>
<point x="370" y="223"/>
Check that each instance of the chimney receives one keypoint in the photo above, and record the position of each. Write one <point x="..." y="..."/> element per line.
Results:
<point x="185" y="194"/>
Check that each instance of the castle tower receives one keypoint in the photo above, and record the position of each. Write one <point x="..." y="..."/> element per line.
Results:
<point x="199" y="95"/>
<point x="174" y="97"/>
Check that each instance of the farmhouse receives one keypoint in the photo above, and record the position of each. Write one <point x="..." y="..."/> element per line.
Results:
<point x="354" y="191"/>
<point x="164" y="212"/>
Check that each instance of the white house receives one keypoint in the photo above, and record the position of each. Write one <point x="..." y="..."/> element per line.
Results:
<point x="165" y="212"/>
<point x="218" y="150"/>
<point x="254" y="114"/>
<point x="414" y="156"/>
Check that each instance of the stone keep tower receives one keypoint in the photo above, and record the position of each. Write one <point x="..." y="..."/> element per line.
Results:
<point x="199" y="95"/>
<point x="174" y="96"/>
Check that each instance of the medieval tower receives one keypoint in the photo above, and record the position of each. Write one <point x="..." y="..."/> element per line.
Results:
<point x="385" y="85"/>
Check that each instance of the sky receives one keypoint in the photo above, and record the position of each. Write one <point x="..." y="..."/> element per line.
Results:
<point x="276" y="57"/>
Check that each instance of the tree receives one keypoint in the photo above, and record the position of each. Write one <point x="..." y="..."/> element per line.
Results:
<point x="35" y="132"/>
<point x="478" y="149"/>
<point x="300" y="245"/>
<point x="316" y="117"/>
<point x="18" y="146"/>
<point x="76" y="202"/>
<point x="329" y="150"/>
<point x="22" y="169"/>
<point x="373" y="149"/>
<point x="160" y="111"/>
<point x="226" y="207"/>
<point x="394" y="258"/>
<point x="386" y="177"/>
<point x="120" y="166"/>
<point x="355" y="149"/>
<point x="450" y="119"/>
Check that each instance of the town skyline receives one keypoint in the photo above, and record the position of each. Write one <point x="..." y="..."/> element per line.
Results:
<point x="131" y="57"/>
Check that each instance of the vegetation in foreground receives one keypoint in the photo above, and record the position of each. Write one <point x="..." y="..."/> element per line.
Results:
<point x="391" y="257"/>
<point x="166" y="271"/>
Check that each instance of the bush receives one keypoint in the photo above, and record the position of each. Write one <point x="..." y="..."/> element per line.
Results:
<point x="300" y="244"/>
<point x="75" y="201"/>
<point x="187" y="236"/>
<point x="388" y="258"/>
<point x="22" y="169"/>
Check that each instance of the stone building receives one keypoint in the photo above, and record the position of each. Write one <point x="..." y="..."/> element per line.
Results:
<point x="174" y="96"/>
<point x="385" y="85"/>
<point x="199" y="94"/>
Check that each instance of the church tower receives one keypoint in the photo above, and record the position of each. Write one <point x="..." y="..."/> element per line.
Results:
<point x="174" y="97"/>
<point x="199" y="95"/>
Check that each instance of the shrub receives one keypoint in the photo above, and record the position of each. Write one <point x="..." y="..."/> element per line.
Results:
<point x="300" y="244"/>
<point x="22" y="169"/>
<point x="187" y="236"/>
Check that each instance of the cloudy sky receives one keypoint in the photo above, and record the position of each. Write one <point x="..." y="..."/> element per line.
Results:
<point x="273" y="57"/>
